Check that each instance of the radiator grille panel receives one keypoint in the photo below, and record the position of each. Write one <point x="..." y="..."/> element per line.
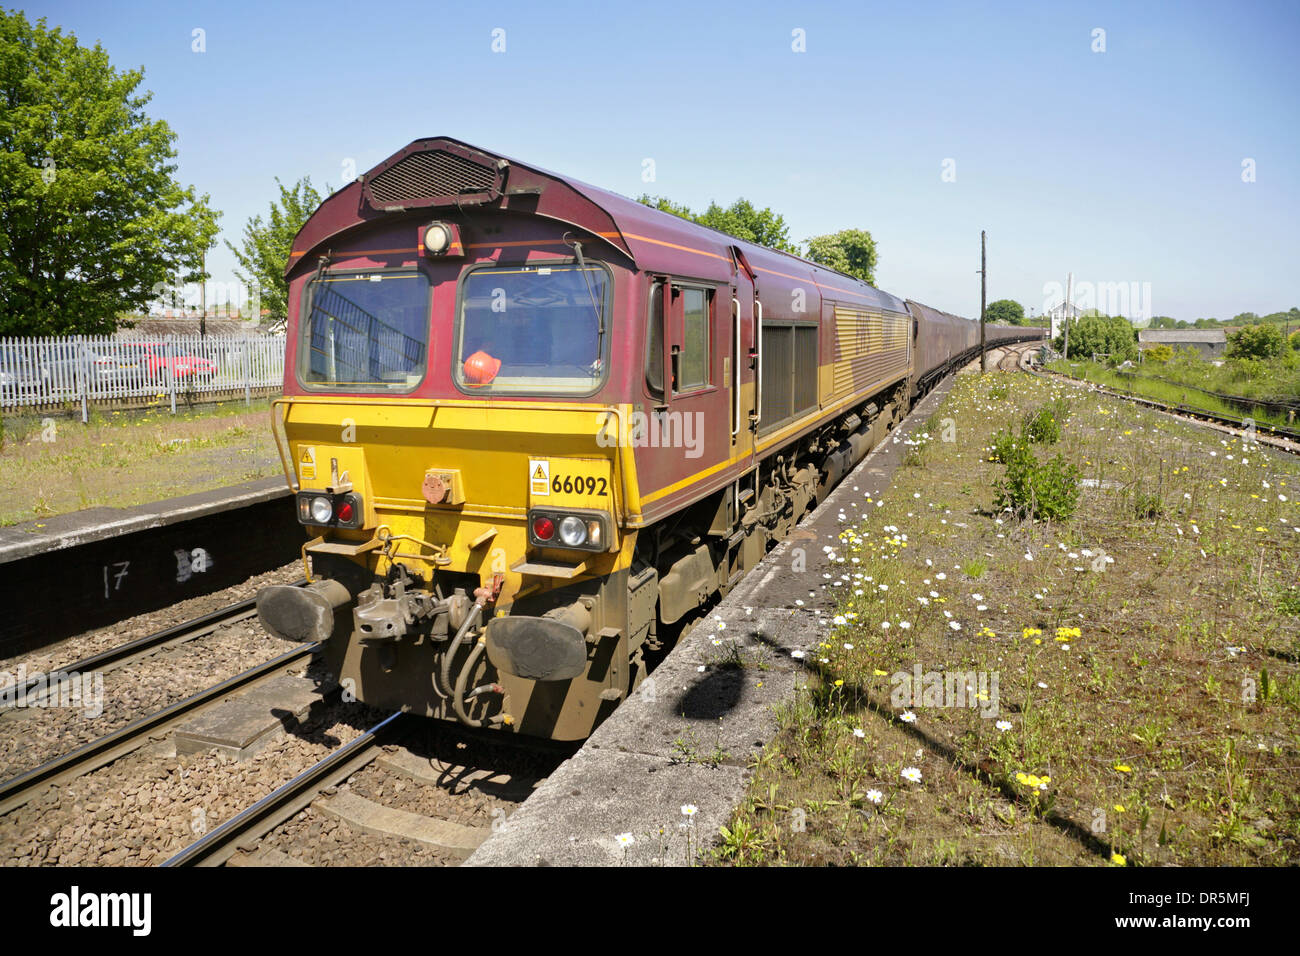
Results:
<point x="423" y="177"/>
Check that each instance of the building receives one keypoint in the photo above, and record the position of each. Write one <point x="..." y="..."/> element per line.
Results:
<point x="1057" y="314"/>
<point x="1209" y="343"/>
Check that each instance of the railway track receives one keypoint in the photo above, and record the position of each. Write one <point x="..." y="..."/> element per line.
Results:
<point x="17" y="791"/>
<point x="1280" y="439"/>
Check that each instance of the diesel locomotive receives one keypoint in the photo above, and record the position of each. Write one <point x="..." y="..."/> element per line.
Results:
<point x="532" y="427"/>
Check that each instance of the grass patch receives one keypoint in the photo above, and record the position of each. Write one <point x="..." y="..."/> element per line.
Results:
<point x="55" y="465"/>
<point x="1146" y="708"/>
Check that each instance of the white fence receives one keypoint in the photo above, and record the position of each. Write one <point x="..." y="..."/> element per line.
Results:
<point x="85" y="370"/>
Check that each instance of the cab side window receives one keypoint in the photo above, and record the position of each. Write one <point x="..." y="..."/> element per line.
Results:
<point x="690" y="315"/>
<point x="693" y="364"/>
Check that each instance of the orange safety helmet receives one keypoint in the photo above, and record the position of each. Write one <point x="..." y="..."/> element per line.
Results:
<point x="481" y="368"/>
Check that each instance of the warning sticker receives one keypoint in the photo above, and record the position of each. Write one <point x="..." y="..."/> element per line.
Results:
<point x="307" y="463"/>
<point x="539" y="477"/>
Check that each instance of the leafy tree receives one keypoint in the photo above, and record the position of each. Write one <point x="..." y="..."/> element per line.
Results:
<point x="1007" y="311"/>
<point x="1111" y="335"/>
<point x="851" y="251"/>
<point x="1160" y="354"/>
<point x="267" y="244"/>
<point x="1256" y="342"/>
<point x="92" y="222"/>
<point x="1206" y="324"/>
<point x="741" y="219"/>
<point x="666" y="205"/>
<point x="1163" y="322"/>
<point x="1245" y="318"/>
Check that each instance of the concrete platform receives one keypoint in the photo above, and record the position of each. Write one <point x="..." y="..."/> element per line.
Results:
<point x="91" y="568"/>
<point x="245" y="725"/>
<point x="688" y="735"/>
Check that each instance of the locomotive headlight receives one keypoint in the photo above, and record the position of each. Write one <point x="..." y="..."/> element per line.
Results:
<point x="322" y="510"/>
<point x="438" y="237"/>
<point x="573" y="532"/>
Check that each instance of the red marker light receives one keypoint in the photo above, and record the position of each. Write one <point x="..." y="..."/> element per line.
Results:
<point x="543" y="529"/>
<point x="345" y="512"/>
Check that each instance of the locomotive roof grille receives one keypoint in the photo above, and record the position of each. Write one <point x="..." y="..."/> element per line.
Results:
<point x="432" y="177"/>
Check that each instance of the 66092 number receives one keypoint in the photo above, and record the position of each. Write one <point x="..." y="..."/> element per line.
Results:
<point x="570" y="485"/>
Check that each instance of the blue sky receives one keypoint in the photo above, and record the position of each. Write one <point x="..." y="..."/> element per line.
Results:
<point x="1122" y="166"/>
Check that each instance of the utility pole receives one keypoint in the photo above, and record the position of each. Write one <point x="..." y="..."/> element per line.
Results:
<point x="1065" y="310"/>
<point x="984" y="279"/>
<point x="203" y="296"/>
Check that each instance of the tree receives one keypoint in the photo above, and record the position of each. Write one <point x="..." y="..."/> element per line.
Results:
<point x="92" y="222"/>
<point x="741" y="219"/>
<point x="1006" y="311"/>
<point x="1245" y="318"/>
<point x="1256" y="342"/>
<point x="1110" y="335"/>
<point x="267" y="244"/>
<point x="851" y="251"/>
<point x="666" y="205"/>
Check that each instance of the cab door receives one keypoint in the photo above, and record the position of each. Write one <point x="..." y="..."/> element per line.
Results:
<point x="689" y="364"/>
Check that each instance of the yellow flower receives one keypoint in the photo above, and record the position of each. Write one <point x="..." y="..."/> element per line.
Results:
<point x="879" y="673"/>
<point x="1030" y="632"/>
<point x="1118" y="859"/>
<point x="1119" y="808"/>
<point x="839" y="683"/>
<point x="1123" y="768"/>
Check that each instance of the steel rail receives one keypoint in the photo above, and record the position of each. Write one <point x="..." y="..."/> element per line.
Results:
<point x="243" y="830"/>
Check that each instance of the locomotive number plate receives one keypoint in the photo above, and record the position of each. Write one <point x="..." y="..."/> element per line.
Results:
<point x="581" y="482"/>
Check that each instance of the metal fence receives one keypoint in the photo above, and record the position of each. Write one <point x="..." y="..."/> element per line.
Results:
<point x="85" y="370"/>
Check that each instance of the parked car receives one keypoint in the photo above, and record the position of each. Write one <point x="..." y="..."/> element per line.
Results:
<point x="159" y="367"/>
<point x="60" y="365"/>
<point x="21" y="376"/>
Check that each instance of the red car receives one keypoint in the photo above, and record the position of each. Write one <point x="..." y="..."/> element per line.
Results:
<point x="152" y="356"/>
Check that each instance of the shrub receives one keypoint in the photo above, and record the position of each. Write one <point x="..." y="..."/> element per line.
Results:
<point x="1037" y="489"/>
<point x="1111" y="335"/>
<point x="1147" y="504"/>
<point x="1043" y="424"/>
<point x="1160" y="354"/>
<point x="1256" y="342"/>
<point x="1004" y="444"/>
